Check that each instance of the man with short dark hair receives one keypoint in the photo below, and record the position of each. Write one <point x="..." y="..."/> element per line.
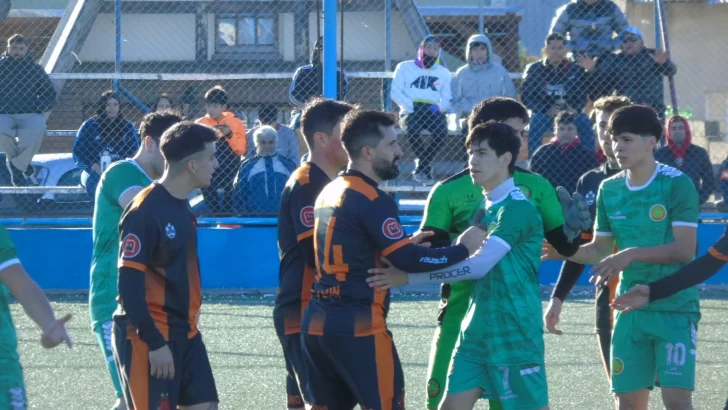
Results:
<point x="27" y="92"/>
<point x="158" y="348"/>
<point x="346" y="342"/>
<point x="321" y="119"/>
<point x="287" y="139"/>
<point x="118" y="186"/>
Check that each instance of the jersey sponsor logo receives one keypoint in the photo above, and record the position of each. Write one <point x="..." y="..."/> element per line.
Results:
<point x="392" y="229"/>
<point x="434" y="261"/>
<point x="170" y="231"/>
<point x="670" y="171"/>
<point x="617" y="365"/>
<point x="617" y="216"/>
<point x="433" y="388"/>
<point x="164" y="402"/>
<point x="452" y="273"/>
<point x="658" y="213"/>
<point x="471" y="197"/>
<point x="306" y="216"/>
<point x="131" y="246"/>
<point x="590" y="198"/>
<point x="526" y="190"/>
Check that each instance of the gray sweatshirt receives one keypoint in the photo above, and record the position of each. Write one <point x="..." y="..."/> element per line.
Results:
<point x="474" y="83"/>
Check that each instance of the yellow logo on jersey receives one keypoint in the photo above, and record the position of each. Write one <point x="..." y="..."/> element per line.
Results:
<point x="526" y="190"/>
<point x="617" y="365"/>
<point x="658" y="213"/>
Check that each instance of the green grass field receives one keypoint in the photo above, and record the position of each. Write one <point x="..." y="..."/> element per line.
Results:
<point x="249" y="370"/>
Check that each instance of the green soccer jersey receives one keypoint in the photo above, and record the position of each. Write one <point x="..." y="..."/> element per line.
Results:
<point x="503" y="325"/>
<point x="643" y="216"/>
<point x="8" y="339"/>
<point x="118" y="178"/>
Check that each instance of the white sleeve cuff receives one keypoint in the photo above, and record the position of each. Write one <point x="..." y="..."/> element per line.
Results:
<point x="598" y="233"/>
<point x="9" y="262"/>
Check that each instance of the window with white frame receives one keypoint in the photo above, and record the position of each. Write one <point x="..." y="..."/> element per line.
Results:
<point x="246" y="33"/>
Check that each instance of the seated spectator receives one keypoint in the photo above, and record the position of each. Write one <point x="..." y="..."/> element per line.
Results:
<point x="164" y="103"/>
<point x="421" y="89"/>
<point x="636" y="71"/>
<point x="260" y="181"/>
<point x="590" y="26"/>
<point x="287" y="139"/>
<point x="691" y="159"/>
<point x="480" y="78"/>
<point x="722" y="205"/>
<point x="552" y="85"/>
<point x="105" y="138"/>
<point x="564" y="159"/>
<point x="230" y="148"/>
<point x="26" y="93"/>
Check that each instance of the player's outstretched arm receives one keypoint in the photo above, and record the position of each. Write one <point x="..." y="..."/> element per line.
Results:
<point x="36" y="305"/>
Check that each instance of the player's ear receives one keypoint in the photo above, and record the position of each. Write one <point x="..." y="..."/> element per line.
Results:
<point x="149" y="144"/>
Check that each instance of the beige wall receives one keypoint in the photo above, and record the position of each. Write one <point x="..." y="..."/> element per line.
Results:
<point x="146" y="37"/>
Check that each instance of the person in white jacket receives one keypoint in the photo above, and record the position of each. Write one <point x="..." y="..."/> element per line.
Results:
<point x="421" y="89"/>
<point x="482" y="77"/>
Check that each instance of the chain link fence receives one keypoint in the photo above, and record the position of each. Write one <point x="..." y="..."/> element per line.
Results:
<point x="59" y="130"/>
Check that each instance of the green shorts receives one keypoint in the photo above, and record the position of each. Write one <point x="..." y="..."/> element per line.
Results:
<point x="102" y="331"/>
<point x="12" y="387"/>
<point x="453" y="307"/>
<point x="653" y="346"/>
<point x="521" y="387"/>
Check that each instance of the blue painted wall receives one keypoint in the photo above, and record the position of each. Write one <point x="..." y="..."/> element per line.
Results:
<point x="244" y="257"/>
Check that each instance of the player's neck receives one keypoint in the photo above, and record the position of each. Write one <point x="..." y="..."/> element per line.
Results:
<point x="322" y="162"/>
<point x="146" y="165"/>
<point x="178" y="186"/>
<point x="490" y="186"/>
<point x="368" y="171"/>
<point x="639" y="174"/>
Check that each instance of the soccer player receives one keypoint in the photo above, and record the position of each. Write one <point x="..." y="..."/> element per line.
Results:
<point x="320" y="121"/>
<point x="650" y="212"/>
<point x="500" y="354"/>
<point x="349" y="355"/>
<point x="587" y="186"/>
<point x="158" y="349"/>
<point x="448" y="212"/>
<point x="118" y="186"/>
<point x="14" y="279"/>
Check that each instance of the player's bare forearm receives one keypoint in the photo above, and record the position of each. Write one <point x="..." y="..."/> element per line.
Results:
<point x="29" y="295"/>
<point x="133" y="300"/>
<point x="595" y="251"/>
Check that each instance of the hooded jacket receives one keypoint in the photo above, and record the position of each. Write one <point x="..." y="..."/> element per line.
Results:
<point x="691" y="159"/>
<point x="474" y="83"/>
<point x="590" y="26"/>
<point x="308" y="81"/>
<point x="544" y="84"/>
<point x="25" y="88"/>
<point x="413" y="83"/>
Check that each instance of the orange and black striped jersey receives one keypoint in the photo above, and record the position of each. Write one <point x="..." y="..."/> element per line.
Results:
<point x="159" y="271"/>
<point x="295" y="244"/>
<point x="355" y="225"/>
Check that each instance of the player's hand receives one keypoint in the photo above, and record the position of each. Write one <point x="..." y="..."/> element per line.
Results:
<point x="472" y="238"/>
<point x="549" y="253"/>
<point x="387" y="277"/>
<point x="420" y="236"/>
<point x="576" y="213"/>
<point x="612" y="265"/>
<point x="56" y="333"/>
<point x="552" y="316"/>
<point x="161" y="363"/>
<point x="633" y="299"/>
<point x="225" y="130"/>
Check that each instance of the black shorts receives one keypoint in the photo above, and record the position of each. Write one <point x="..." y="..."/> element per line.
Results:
<point x="293" y="355"/>
<point x="193" y="381"/>
<point x="344" y="371"/>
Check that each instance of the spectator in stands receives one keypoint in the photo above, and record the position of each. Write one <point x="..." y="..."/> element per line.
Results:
<point x="164" y="103"/>
<point x="636" y="71"/>
<point x="105" y="138"/>
<point x="564" y="159"/>
<point x="26" y="93"/>
<point x="590" y="26"/>
<point x="287" y="139"/>
<point x="480" y="78"/>
<point x="552" y="85"/>
<point x="421" y="89"/>
<point x="230" y="148"/>
<point x="261" y="179"/>
<point x="308" y="80"/>
<point x="722" y="205"/>
<point x="691" y="159"/>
